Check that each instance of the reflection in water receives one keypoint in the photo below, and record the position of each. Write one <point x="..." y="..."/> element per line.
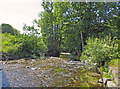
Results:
<point x="5" y="82"/>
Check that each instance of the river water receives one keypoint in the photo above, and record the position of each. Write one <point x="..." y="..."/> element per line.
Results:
<point x="52" y="72"/>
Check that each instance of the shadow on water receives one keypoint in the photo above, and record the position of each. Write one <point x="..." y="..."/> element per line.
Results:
<point x="5" y="82"/>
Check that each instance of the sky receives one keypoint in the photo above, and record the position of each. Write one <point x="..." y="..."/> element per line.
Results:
<point x="17" y="12"/>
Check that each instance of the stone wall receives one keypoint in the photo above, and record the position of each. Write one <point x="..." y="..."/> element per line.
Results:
<point x="114" y="82"/>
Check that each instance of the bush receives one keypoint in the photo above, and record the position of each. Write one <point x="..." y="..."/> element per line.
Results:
<point x="9" y="43"/>
<point x="23" y="46"/>
<point x="104" y="69"/>
<point x="31" y="47"/>
<point x="72" y="57"/>
<point x="114" y="63"/>
<point x="100" y="50"/>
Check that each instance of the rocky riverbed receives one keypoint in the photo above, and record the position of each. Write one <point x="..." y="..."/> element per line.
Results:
<point x="52" y="72"/>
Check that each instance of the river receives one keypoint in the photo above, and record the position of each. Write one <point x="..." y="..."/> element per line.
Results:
<point x="52" y="72"/>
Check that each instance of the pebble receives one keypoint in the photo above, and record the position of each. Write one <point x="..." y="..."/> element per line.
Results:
<point x="76" y="67"/>
<point x="95" y="74"/>
<point x="27" y="67"/>
<point x="33" y="60"/>
<point x="34" y="68"/>
<point x="65" y="75"/>
<point x="4" y="63"/>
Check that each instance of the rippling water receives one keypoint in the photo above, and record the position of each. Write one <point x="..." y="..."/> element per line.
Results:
<point x="52" y="72"/>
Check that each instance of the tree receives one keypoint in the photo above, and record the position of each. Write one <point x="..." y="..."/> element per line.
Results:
<point x="65" y="26"/>
<point x="9" y="29"/>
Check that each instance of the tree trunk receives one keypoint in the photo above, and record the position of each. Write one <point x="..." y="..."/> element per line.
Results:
<point x="82" y="42"/>
<point x="80" y="29"/>
<point x="79" y="53"/>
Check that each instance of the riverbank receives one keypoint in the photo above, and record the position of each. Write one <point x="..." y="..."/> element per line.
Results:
<point x="111" y="76"/>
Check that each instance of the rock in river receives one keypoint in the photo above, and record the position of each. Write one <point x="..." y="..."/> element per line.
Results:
<point x="105" y="80"/>
<point x="34" y="68"/>
<point x="27" y="67"/>
<point x="100" y="81"/>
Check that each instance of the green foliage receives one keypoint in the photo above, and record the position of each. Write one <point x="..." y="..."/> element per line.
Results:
<point x="64" y="56"/>
<point x="42" y="56"/>
<point x="84" y="57"/>
<point x="62" y="23"/>
<point x="32" y="46"/>
<point x="28" y="46"/>
<point x="66" y="26"/>
<point x="105" y="75"/>
<point x="83" y="70"/>
<point x="7" y="28"/>
<point x="113" y="63"/>
<point x="72" y="57"/>
<point x="100" y="50"/>
<point x="104" y="69"/>
<point x="9" y="42"/>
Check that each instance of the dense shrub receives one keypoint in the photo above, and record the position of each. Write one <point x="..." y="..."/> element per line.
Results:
<point x="23" y="46"/>
<point x="100" y="50"/>
<point x="31" y="47"/>
<point x="9" y="43"/>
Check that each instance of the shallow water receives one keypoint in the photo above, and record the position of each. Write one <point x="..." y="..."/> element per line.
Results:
<point x="52" y="72"/>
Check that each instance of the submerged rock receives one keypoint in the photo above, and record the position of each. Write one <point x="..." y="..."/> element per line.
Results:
<point x="27" y="67"/>
<point x="95" y="74"/>
<point x="100" y="81"/>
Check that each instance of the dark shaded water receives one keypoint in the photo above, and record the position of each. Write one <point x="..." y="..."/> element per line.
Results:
<point x="5" y="81"/>
<point x="52" y="72"/>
